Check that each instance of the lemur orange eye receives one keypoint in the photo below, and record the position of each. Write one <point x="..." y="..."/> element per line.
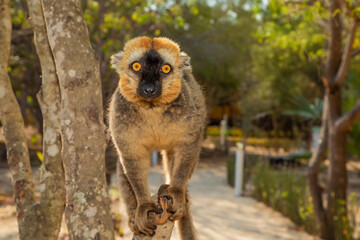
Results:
<point x="166" y="68"/>
<point x="136" y="66"/>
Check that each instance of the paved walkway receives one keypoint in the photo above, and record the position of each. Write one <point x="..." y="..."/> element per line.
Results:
<point x="219" y="215"/>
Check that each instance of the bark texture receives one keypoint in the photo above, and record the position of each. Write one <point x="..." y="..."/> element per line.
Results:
<point x="13" y="127"/>
<point x="335" y="226"/>
<point x="87" y="210"/>
<point x="52" y="178"/>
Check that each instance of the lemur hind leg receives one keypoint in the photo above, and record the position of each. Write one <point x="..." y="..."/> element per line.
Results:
<point x="185" y="224"/>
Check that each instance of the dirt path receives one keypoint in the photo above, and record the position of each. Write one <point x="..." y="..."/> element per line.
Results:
<point x="218" y="215"/>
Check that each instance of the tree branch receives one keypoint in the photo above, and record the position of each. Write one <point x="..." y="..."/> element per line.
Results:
<point x="349" y="118"/>
<point x="313" y="172"/>
<point x="333" y="59"/>
<point x="345" y="62"/>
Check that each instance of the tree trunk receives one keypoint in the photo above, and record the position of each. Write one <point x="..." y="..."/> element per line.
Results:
<point x="87" y="210"/>
<point x="15" y="141"/>
<point x="52" y="178"/>
<point x="335" y="224"/>
<point x="336" y="67"/>
<point x="337" y="179"/>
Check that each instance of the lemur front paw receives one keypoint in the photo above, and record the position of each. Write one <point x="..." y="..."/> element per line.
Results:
<point x="176" y="201"/>
<point x="144" y="222"/>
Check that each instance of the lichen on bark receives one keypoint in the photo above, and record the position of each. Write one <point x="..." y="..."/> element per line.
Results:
<point x="81" y="121"/>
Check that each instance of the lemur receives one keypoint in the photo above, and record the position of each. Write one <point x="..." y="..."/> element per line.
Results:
<point x="158" y="105"/>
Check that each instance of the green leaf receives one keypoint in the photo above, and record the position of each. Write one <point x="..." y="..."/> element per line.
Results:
<point x="336" y="12"/>
<point x="40" y="156"/>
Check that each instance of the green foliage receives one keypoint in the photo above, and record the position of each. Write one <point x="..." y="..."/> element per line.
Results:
<point x="351" y="93"/>
<point x="287" y="193"/>
<point x="216" y="37"/>
<point x="230" y="167"/>
<point x="40" y="156"/>
<point x="284" y="143"/>
<point x="215" y="131"/>
<point x="288" y="52"/>
<point x="305" y="109"/>
<point x="345" y="217"/>
<point x="264" y="52"/>
<point x="236" y="135"/>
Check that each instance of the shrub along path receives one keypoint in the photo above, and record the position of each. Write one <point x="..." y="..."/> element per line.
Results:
<point x="219" y="215"/>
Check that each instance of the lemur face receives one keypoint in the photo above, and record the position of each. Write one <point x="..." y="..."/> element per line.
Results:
<point x="150" y="70"/>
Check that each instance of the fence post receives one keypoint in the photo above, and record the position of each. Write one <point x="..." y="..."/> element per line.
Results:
<point x="223" y="129"/>
<point x="239" y="170"/>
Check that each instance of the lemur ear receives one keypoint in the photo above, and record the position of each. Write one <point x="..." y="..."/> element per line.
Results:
<point x="184" y="61"/>
<point x="116" y="61"/>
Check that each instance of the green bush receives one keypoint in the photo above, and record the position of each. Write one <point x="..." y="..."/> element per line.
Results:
<point x="286" y="192"/>
<point x="230" y="166"/>
<point x="215" y="131"/>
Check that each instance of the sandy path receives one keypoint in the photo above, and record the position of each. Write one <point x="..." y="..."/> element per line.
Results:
<point x="218" y="215"/>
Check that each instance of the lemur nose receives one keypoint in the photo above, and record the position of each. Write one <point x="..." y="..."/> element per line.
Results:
<point x="149" y="90"/>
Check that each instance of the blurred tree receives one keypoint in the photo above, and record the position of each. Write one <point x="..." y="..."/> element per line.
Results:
<point x="24" y="67"/>
<point x="217" y="37"/>
<point x="302" y="42"/>
<point x="290" y="45"/>
<point x="333" y="222"/>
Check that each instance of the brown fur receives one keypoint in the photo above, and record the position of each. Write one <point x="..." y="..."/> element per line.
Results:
<point x="173" y="122"/>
